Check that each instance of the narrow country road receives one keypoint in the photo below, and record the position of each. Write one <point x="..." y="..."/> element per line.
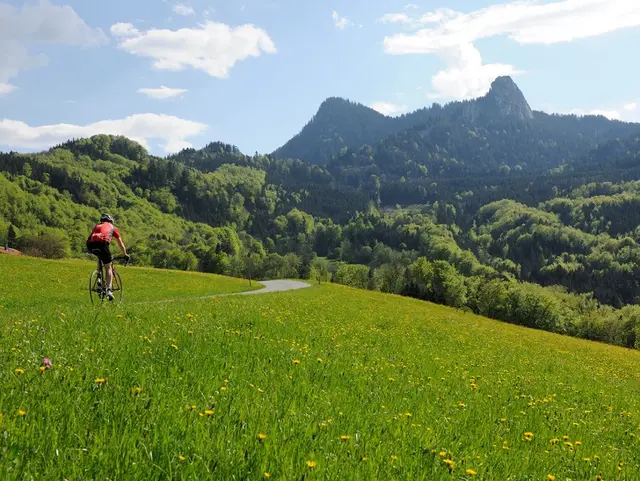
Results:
<point x="269" y="287"/>
<point x="275" y="286"/>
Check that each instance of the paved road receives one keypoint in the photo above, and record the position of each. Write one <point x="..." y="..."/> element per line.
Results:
<point x="269" y="286"/>
<point x="275" y="286"/>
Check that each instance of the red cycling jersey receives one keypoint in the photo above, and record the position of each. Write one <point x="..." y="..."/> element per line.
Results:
<point x="104" y="233"/>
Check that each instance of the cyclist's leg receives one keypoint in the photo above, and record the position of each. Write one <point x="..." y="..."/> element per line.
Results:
<point x="109" y="267"/>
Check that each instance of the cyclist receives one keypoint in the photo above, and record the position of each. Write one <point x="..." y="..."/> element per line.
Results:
<point x="98" y="244"/>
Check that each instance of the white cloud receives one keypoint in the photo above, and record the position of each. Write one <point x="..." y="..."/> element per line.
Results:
<point x="184" y="10"/>
<point x="388" y="108"/>
<point x="630" y="107"/>
<point x="340" y="22"/>
<point x="212" y="47"/>
<point x="411" y="6"/>
<point x="139" y="127"/>
<point x="39" y="24"/>
<point x="451" y="35"/>
<point x="6" y="88"/>
<point x="610" y="114"/>
<point x="161" y="93"/>
<point x="396" y="18"/>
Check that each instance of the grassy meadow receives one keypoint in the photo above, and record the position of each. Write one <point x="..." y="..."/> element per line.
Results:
<point x="322" y="383"/>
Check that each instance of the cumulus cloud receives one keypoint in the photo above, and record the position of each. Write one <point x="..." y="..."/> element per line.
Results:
<point x="172" y="131"/>
<point x="184" y="10"/>
<point x="388" y="108"/>
<point x="451" y="35"/>
<point x="610" y="114"/>
<point x="630" y="107"/>
<point x="39" y="24"/>
<point x="212" y="47"/>
<point x="340" y="22"/>
<point x="396" y="18"/>
<point x="161" y="93"/>
<point x="6" y="88"/>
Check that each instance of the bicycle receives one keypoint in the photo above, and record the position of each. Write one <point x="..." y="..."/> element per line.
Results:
<point x="98" y="285"/>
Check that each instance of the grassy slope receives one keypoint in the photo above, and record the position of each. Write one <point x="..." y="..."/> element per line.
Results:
<point x="411" y="385"/>
<point x="67" y="281"/>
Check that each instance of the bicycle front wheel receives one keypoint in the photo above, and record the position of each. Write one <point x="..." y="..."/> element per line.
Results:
<point x="95" y="287"/>
<point x="116" y="288"/>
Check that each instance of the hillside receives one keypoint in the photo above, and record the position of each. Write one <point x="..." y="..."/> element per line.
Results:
<point x="502" y="116"/>
<point x="319" y="383"/>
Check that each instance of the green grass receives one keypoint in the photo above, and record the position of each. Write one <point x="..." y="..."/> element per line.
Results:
<point x="30" y="282"/>
<point x="408" y="384"/>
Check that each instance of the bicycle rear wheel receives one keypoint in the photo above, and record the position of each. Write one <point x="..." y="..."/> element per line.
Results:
<point x="95" y="287"/>
<point x="116" y="287"/>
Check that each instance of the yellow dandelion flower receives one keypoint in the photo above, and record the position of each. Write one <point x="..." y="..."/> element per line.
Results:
<point x="311" y="464"/>
<point x="174" y="346"/>
<point x="551" y="477"/>
<point x="442" y="454"/>
<point x="565" y="438"/>
<point x="99" y="380"/>
<point x="19" y="371"/>
<point x="223" y="388"/>
<point x="267" y="475"/>
<point x="460" y="404"/>
<point x="137" y="390"/>
<point x="181" y="457"/>
<point x="394" y="458"/>
<point x="344" y="437"/>
<point x="528" y="436"/>
<point x="296" y="362"/>
<point x="577" y="443"/>
<point x="208" y="412"/>
<point x="22" y="412"/>
<point x="471" y="472"/>
<point x="262" y="436"/>
<point x="554" y="441"/>
<point x="43" y="368"/>
<point x="363" y="458"/>
<point x="449" y="463"/>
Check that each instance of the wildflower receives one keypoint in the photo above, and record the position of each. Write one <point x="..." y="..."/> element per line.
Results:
<point x="471" y="472"/>
<point x="449" y="463"/>
<point x="551" y="477"/>
<point x="47" y="363"/>
<point x="577" y="443"/>
<point x="262" y="436"/>
<point x="22" y="412"/>
<point x="19" y="371"/>
<point x="311" y="464"/>
<point x="267" y="475"/>
<point x="208" y="412"/>
<point x="296" y="362"/>
<point x="319" y="360"/>
<point x="394" y="458"/>
<point x="554" y="441"/>
<point x="174" y="346"/>
<point x="99" y="381"/>
<point x="363" y="458"/>
<point x="442" y="454"/>
<point x="528" y="436"/>
<point x="42" y="368"/>
<point x="181" y="457"/>
<point x="137" y="390"/>
<point x="344" y="437"/>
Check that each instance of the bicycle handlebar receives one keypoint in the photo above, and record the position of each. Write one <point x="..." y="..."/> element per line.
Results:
<point x="122" y="258"/>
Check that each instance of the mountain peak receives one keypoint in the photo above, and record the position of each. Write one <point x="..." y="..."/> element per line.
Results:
<point x="508" y="99"/>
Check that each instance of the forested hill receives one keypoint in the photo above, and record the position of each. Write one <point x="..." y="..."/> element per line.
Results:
<point x="518" y="215"/>
<point x="341" y="124"/>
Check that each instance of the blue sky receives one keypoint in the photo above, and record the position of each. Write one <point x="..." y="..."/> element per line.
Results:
<point x="252" y="72"/>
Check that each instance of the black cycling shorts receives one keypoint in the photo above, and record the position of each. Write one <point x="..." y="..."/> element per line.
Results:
<point x="100" y="250"/>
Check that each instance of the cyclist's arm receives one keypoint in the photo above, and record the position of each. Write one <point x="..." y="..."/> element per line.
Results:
<point x="121" y="246"/>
